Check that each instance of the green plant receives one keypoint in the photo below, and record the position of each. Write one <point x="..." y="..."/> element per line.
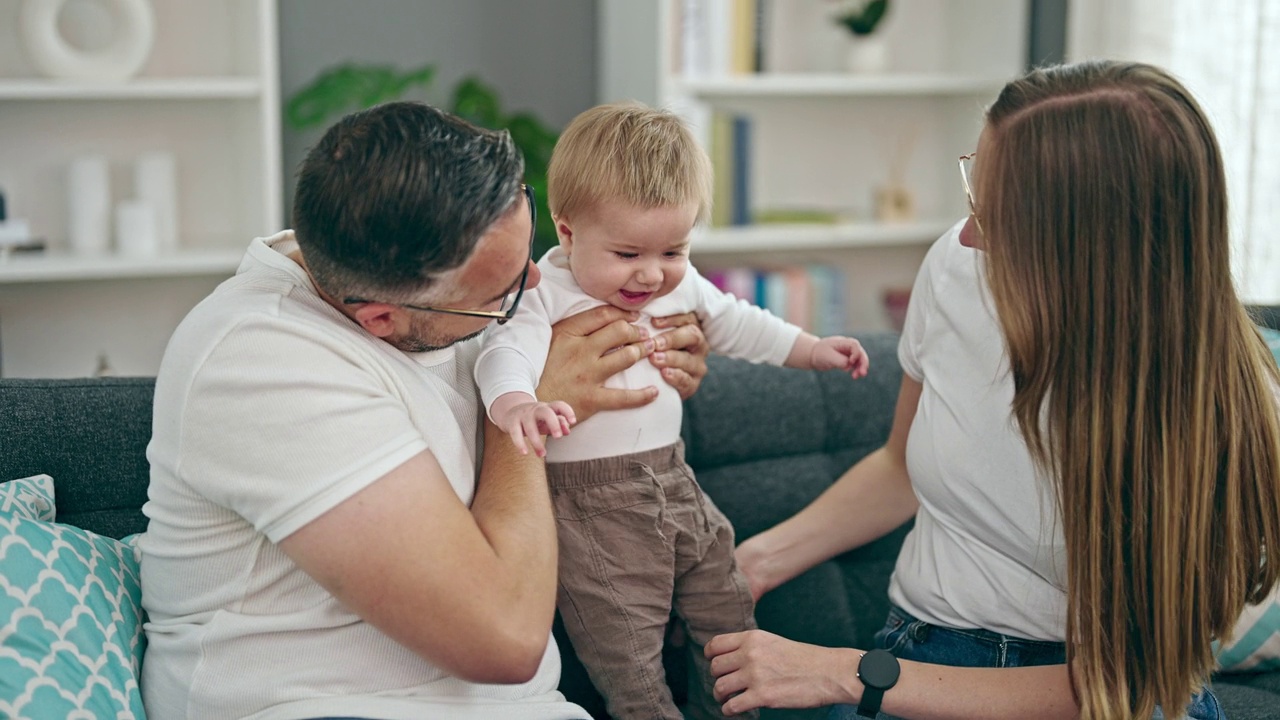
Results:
<point x="351" y="87"/>
<point x="864" y="16"/>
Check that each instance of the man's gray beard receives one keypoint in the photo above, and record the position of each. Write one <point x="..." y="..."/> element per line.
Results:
<point x="419" y="344"/>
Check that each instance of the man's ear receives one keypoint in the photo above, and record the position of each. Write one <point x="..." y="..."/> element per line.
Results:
<point x="378" y="318"/>
<point x="564" y="230"/>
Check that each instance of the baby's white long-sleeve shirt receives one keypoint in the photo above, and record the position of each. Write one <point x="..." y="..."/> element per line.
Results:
<point x="514" y="354"/>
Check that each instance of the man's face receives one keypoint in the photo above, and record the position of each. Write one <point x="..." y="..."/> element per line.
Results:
<point x="490" y="274"/>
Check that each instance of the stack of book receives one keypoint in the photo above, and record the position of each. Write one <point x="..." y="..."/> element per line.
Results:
<point x="810" y="296"/>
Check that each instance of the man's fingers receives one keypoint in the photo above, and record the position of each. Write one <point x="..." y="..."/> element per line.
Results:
<point x="625" y="356"/>
<point x="676" y="320"/>
<point x="614" y="335"/>
<point x="682" y="381"/>
<point x="685" y="337"/>
<point x="620" y="399"/>
<point x="589" y="321"/>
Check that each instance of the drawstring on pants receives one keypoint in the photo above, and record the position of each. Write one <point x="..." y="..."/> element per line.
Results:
<point x="661" y="496"/>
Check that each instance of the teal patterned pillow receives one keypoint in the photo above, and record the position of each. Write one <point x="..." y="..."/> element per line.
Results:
<point x="1255" y="643"/>
<point x="1273" y="341"/>
<point x="30" y="498"/>
<point x="71" y="617"/>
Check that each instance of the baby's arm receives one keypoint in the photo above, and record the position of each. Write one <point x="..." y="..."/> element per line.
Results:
<point x="507" y="372"/>
<point x="521" y="416"/>
<point x="829" y="353"/>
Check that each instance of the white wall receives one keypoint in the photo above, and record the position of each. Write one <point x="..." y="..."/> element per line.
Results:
<point x="539" y="55"/>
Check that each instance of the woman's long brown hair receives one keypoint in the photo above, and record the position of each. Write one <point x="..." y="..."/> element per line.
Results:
<point x="1141" y="384"/>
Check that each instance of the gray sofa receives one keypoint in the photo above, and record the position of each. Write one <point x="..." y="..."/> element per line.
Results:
<point x="764" y="441"/>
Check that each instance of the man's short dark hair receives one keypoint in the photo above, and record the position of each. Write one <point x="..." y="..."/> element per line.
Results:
<point x="394" y="195"/>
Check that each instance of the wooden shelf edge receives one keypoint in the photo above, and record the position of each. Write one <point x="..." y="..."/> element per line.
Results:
<point x="781" y="238"/>
<point x="194" y="88"/>
<point x="63" y="268"/>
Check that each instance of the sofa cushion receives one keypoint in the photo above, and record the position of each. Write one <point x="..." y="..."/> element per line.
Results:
<point x="30" y="497"/>
<point x="71" y="640"/>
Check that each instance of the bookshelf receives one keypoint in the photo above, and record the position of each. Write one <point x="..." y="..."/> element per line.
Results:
<point x="822" y="138"/>
<point x="209" y="96"/>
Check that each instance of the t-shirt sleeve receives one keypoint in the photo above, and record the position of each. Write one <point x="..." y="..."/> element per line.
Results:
<point x="280" y="442"/>
<point x="921" y="306"/>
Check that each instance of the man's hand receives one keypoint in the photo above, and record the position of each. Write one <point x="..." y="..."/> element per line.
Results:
<point x="681" y="353"/>
<point x="589" y="348"/>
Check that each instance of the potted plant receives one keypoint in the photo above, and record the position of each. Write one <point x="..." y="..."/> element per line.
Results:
<point x="351" y="87"/>
<point x="868" y="51"/>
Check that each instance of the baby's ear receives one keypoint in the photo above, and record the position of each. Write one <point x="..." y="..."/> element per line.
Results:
<point x="564" y="231"/>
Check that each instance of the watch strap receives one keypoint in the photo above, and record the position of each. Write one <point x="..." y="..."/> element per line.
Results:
<point x="869" y="706"/>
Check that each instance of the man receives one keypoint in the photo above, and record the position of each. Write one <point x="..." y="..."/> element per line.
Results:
<point x="321" y="540"/>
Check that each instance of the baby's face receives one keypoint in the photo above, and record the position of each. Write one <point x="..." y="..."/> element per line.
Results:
<point x="627" y="256"/>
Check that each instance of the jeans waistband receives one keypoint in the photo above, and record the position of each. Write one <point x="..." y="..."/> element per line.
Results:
<point x="924" y="627"/>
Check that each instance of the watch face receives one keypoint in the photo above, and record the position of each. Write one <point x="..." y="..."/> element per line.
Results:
<point x="879" y="669"/>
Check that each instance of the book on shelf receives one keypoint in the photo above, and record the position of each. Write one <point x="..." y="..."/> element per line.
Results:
<point x="731" y="170"/>
<point x="719" y="37"/>
<point x="810" y="296"/>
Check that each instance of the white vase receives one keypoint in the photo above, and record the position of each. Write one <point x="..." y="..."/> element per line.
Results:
<point x="133" y="33"/>
<point x="867" y="54"/>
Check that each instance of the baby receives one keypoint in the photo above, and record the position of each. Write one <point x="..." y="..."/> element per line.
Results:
<point x="626" y="186"/>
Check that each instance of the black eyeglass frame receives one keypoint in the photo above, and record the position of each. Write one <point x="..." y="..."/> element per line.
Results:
<point x="500" y="315"/>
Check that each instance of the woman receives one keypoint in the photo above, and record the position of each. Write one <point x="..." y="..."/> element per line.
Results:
<point x="1127" y="500"/>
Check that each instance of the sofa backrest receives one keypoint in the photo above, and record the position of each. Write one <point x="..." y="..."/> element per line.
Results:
<point x="91" y="436"/>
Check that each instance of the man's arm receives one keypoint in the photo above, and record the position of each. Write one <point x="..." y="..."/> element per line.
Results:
<point x="470" y="590"/>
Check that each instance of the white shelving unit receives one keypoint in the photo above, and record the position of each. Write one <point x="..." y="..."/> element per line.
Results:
<point x="825" y="138"/>
<point x="208" y="94"/>
<point x="803" y="237"/>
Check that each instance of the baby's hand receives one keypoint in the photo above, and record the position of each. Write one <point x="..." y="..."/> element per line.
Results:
<point x="840" y="353"/>
<point x="529" y="420"/>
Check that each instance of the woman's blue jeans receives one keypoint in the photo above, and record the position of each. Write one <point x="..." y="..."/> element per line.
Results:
<point x="911" y="639"/>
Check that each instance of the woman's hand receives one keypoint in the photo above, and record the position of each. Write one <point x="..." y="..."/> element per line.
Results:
<point x="589" y="348"/>
<point x="681" y="353"/>
<point x="755" y="669"/>
<point x="752" y="560"/>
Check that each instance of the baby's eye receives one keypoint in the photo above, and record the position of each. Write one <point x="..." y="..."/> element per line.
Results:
<point x="627" y="255"/>
<point x="673" y="254"/>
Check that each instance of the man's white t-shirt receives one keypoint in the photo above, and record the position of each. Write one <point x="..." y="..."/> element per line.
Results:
<point x="514" y="354"/>
<point x="986" y="550"/>
<point x="271" y="408"/>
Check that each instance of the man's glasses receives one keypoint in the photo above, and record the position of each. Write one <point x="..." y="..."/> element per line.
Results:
<point x="966" y="169"/>
<point x="504" y="312"/>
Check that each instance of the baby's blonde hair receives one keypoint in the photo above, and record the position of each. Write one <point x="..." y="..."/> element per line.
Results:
<point x="628" y="152"/>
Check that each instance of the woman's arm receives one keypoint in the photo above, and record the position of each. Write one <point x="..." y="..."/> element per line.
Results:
<point x="869" y="500"/>
<point x="758" y="669"/>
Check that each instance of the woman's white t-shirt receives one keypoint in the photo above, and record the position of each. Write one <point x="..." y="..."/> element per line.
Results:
<point x="986" y="550"/>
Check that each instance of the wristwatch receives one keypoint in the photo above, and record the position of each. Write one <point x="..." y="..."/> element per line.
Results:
<point x="878" y="670"/>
